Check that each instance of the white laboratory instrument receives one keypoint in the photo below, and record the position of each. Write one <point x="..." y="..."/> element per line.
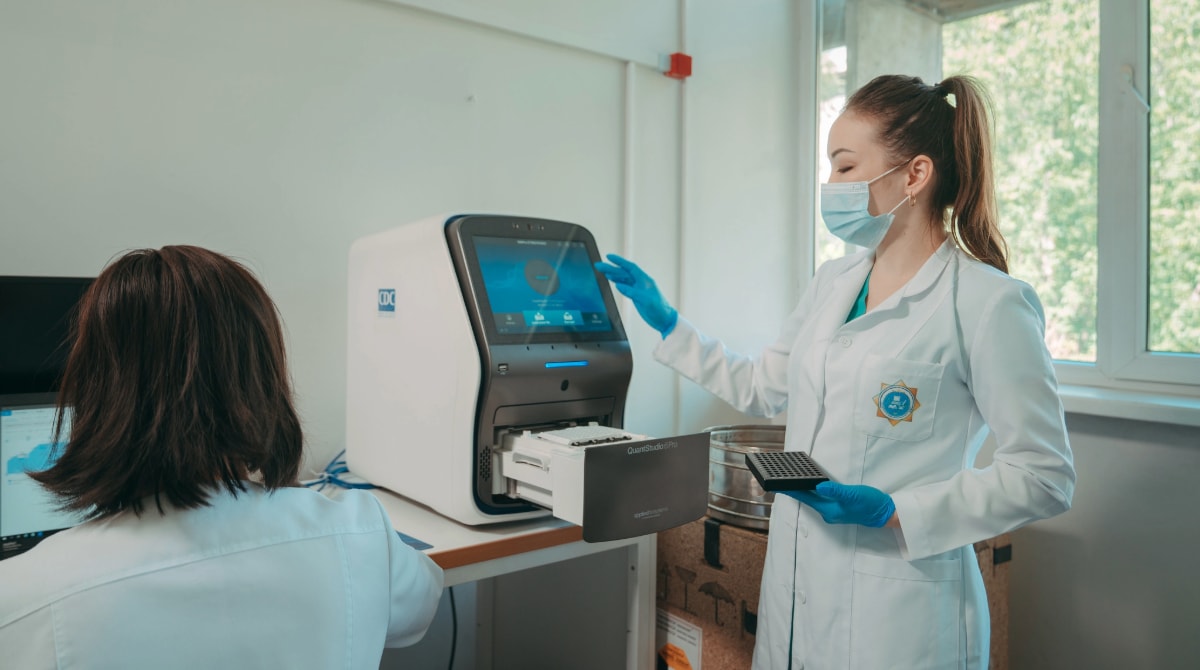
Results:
<point x="487" y="373"/>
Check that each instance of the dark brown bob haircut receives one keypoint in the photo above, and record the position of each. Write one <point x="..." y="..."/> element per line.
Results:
<point x="178" y="386"/>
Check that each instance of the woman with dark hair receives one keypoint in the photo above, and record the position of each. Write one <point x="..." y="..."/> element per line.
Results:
<point x="200" y="549"/>
<point x="894" y="367"/>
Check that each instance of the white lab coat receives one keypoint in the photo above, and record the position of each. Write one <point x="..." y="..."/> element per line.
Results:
<point x="967" y="342"/>
<point x="289" y="580"/>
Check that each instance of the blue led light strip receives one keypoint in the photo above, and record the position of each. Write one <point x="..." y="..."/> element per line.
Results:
<point x="566" y="364"/>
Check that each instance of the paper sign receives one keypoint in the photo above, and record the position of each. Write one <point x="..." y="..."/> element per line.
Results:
<point x="678" y="642"/>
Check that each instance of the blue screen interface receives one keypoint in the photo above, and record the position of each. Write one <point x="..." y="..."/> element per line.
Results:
<point x="541" y="286"/>
<point x="28" y="513"/>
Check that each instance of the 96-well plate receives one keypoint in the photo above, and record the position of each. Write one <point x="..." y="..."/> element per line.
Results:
<point x="785" y="470"/>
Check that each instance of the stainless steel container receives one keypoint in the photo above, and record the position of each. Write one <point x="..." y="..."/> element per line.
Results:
<point x="734" y="495"/>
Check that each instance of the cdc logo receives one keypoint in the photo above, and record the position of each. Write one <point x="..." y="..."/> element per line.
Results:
<point x="387" y="300"/>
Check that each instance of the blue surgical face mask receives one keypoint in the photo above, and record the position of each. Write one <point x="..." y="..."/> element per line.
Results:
<point x="844" y="209"/>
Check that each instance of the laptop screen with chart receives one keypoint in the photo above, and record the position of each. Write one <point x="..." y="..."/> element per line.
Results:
<point x="28" y="513"/>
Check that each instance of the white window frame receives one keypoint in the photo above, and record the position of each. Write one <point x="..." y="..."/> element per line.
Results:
<point x="1124" y="360"/>
<point x="1127" y="380"/>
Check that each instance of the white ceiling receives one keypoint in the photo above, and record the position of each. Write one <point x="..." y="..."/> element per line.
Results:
<point x="943" y="11"/>
<point x="955" y="10"/>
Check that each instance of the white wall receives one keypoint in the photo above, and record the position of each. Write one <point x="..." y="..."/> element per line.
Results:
<point x="1113" y="583"/>
<point x="742" y="236"/>
<point x="278" y="131"/>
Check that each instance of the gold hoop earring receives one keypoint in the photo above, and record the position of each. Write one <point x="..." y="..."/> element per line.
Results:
<point x="912" y="199"/>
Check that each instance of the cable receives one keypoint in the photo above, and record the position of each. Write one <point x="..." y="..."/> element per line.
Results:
<point x="453" y="628"/>
<point x="330" y="475"/>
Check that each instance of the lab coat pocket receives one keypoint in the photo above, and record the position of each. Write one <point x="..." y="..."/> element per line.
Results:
<point x="897" y="399"/>
<point x="906" y="614"/>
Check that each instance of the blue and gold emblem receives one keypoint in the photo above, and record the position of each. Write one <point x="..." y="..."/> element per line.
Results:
<point x="896" y="402"/>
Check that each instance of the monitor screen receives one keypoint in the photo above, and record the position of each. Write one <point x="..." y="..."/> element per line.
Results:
<point x="541" y="286"/>
<point x="28" y="513"/>
<point x="35" y="320"/>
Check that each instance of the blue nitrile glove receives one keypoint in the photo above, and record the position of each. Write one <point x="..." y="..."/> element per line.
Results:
<point x="842" y="503"/>
<point x="635" y="284"/>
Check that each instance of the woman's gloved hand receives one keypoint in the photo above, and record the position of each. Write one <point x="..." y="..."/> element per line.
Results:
<point x="843" y="503"/>
<point x="635" y="284"/>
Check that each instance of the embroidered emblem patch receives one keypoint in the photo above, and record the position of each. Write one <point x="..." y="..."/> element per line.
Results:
<point x="896" y="402"/>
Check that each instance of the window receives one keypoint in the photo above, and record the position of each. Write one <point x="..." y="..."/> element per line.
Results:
<point x="1174" y="315"/>
<point x="1098" y="161"/>
<point x="831" y="93"/>
<point x="1046" y="114"/>
<point x="1148" y="226"/>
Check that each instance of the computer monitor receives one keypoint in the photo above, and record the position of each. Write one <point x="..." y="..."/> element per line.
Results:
<point x="28" y="513"/>
<point x="35" y="320"/>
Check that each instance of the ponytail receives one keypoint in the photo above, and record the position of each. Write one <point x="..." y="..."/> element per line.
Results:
<point x="948" y="122"/>
<point x="974" y="217"/>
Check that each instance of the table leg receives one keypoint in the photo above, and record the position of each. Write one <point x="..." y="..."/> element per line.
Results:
<point x="640" y="630"/>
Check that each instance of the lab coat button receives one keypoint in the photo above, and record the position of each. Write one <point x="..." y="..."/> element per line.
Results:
<point x="844" y="341"/>
<point x="802" y="597"/>
<point x="803" y="530"/>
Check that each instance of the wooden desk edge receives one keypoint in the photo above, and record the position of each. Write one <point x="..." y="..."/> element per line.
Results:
<point x="487" y="551"/>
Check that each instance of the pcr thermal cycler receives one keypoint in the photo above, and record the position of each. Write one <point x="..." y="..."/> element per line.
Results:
<point x="486" y="379"/>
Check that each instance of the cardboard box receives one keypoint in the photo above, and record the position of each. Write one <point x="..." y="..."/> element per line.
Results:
<point x="708" y="577"/>
<point x="995" y="558"/>
<point x="708" y="582"/>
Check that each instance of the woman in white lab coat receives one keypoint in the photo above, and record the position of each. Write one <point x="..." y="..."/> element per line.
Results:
<point x="893" y="368"/>
<point x="183" y="450"/>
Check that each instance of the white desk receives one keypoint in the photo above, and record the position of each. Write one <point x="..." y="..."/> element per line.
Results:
<point x="471" y="553"/>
